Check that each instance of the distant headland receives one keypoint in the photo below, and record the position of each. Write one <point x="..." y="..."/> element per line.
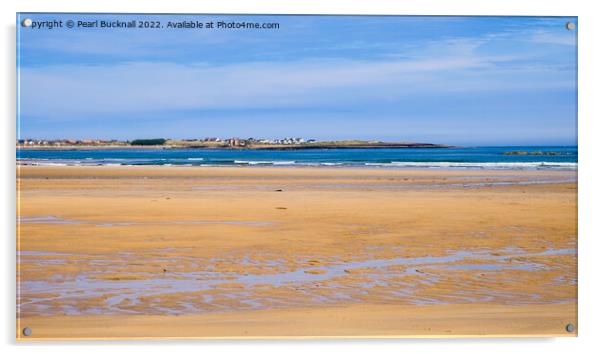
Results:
<point x="218" y="143"/>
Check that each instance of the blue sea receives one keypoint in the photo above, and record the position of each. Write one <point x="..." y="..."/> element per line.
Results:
<point x="447" y="158"/>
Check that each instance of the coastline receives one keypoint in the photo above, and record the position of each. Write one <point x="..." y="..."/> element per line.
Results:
<point x="267" y="147"/>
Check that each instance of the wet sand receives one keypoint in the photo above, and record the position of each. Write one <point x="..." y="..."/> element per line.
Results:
<point x="276" y="252"/>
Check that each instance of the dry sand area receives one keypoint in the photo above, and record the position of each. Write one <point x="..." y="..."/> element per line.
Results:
<point x="223" y="252"/>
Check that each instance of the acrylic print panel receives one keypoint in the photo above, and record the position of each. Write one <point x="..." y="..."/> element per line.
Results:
<point x="243" y="176"/>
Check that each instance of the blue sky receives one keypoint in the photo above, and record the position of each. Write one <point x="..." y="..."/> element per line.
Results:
<point x="450" y="80"/>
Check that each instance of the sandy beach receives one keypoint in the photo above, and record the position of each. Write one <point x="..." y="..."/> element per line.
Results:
<point x="248" y="252"/>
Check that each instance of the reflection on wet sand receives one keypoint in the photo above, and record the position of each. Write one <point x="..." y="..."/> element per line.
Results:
<point x="118" y="285"/>
<point x="268" y="245"/>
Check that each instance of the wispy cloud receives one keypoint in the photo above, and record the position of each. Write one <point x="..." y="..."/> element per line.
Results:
<point x="73" y="90"/>
<point x="562" y="38"/>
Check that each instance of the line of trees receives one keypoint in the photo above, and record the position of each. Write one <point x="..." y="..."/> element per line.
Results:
<point x="148" y="142"/>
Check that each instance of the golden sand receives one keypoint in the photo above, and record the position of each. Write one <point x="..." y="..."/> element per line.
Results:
<point x="277" y="252"/>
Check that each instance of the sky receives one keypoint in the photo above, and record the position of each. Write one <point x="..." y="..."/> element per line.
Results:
<point x="472" y="81"/>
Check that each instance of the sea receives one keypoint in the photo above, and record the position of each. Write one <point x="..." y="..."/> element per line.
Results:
<point x="564" y="157"/>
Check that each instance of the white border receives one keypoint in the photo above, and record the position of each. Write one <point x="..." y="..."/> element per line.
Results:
<point x="590" y="232"/>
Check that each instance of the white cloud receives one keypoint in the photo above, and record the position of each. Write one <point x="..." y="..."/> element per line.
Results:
<point x="75" y="90"/>
<point x="562" y="38"/>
